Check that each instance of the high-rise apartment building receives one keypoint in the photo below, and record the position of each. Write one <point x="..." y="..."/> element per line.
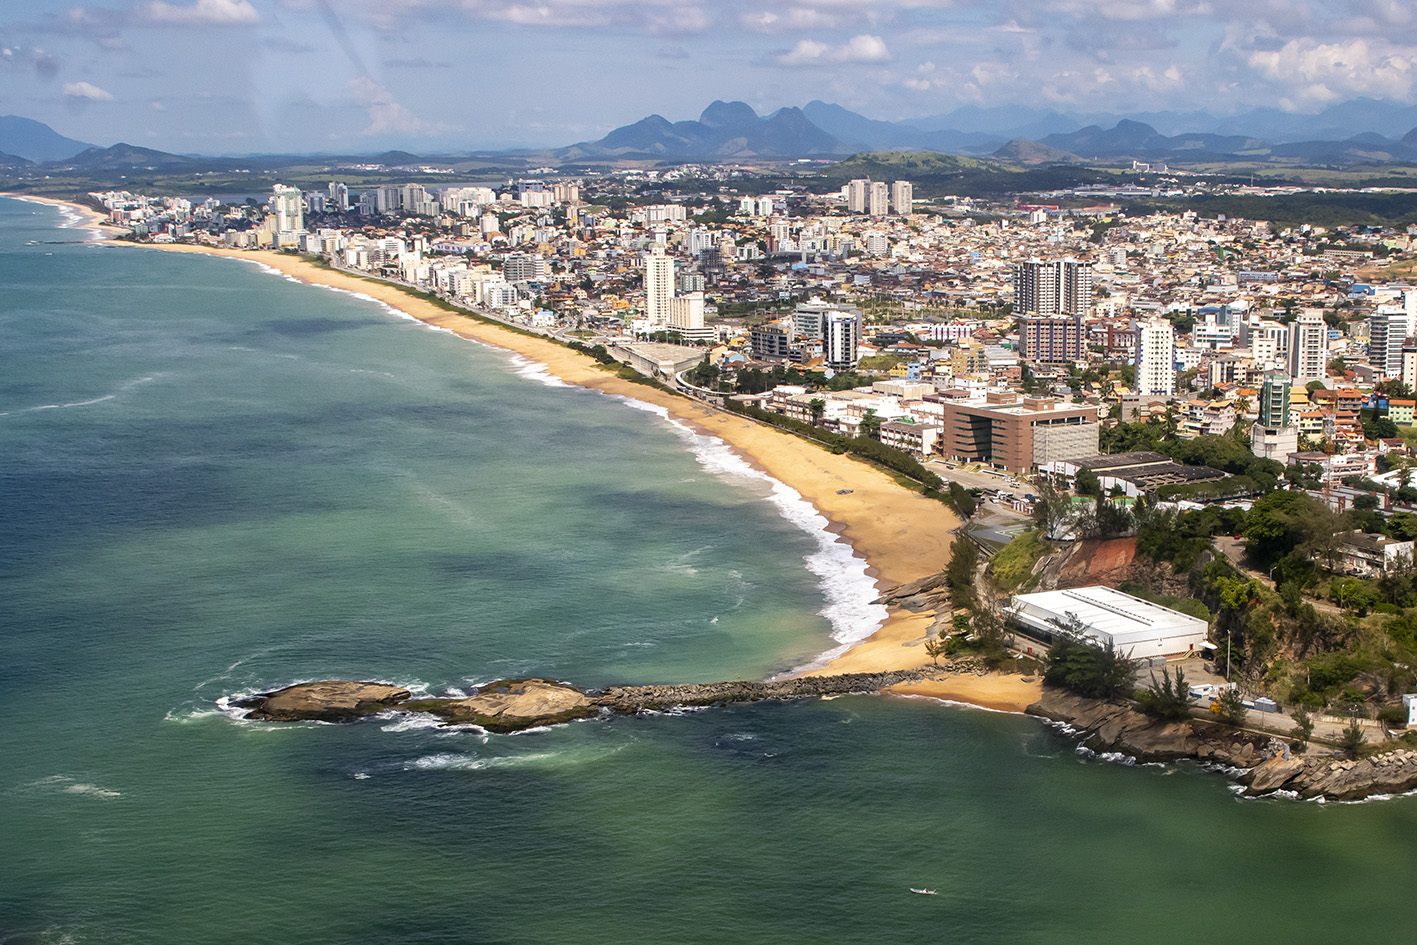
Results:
<point x="878" y="199"/>
<point x="339" y="196"/>
<point x="1308" y="347"/>
<point x="841" y="339"/>
<point x="659" y="286"/>
<point x="1274" y="401"/>
<point x="903" y="197"/>
<point x="1386" y="334"/>
<point x="1059" y="287"/>
<point x="1051" y="339"/>
<point x="1156" y="357"/>
<point x="288" y="205"/>
<point x="1272" y="436"/>
<point x="856" y="195"/>
<point x="686" y="316"/>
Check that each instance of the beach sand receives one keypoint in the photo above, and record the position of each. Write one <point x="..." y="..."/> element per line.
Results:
<point x="1006" y="693"/>
<point x="901" y="534"/>
<point x="91" y="216"/>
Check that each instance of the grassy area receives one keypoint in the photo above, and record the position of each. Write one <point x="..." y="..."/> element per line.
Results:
<point x="1011" y="569"/>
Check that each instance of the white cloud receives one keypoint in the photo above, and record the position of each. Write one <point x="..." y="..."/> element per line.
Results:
<point x="201" y="13"/>
<point x="86" y="91"/>
<point x="1318" y="73"/>
<point x="917" y="85"/>
<point x="863" y="48"/>
<point x="385" y="113"/>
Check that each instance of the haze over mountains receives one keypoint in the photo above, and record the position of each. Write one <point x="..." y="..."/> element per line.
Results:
<point x="1359" y="131"/>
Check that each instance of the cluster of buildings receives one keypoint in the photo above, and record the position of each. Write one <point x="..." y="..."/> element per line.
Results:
<point x="1009" y="340"/>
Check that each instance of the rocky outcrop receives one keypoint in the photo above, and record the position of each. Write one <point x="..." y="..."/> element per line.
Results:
<point x="928" y="593"/>
<point x="1119" y="727"/>
<point x="1271" y="767"/>
<point x="517" y="704"/>
<point x="1393" y="772"/>
<point x="332" y="700"/>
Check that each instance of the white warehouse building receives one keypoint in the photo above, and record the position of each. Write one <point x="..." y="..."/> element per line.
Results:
<point x="1136" y="628"/>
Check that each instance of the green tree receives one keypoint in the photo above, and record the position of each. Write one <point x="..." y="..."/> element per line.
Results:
<point x="818" y="408"/>
<point x="1353" y="739"/>
<point x="1232" y="708"/>
<point x="1303" y="728"/>
<point x="1087" y="482"/>
<point x="1167" y="698"/>
<point x="959" y="574"/>
<point x="963" y="501"/>
<point x="1098" y="672"/>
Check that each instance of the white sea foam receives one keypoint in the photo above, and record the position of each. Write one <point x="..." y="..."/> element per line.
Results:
<point x="534" y="730"/>
<point x="122" y="389"/>
<point x="452" y="762"/>
<point x="68" y="785"/>
<point x="850" y="592"/>
<point x="406" y="722"/>
<point x="954" y="702"/>
<point x="536" y="371"/>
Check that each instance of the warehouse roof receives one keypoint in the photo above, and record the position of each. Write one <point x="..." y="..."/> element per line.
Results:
<point x="1106" y="613"/>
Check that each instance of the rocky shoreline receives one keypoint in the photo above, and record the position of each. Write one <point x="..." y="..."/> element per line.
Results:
<point x="1268" y="766"/>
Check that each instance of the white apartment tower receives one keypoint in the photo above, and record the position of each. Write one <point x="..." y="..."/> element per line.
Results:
<point x="1386" y="334"/>
<point x="659" y="286"/>
<point x="1308" y="347"/>
<point x="878" y="199"/>
<point x="686" y="316"/>
<point x="1156" y="357"/>
<point x="856" y="193"/>
<point x="841" y="339"/>
<point x="1060" y="287"/>
<point x="903" y="197"/>
<point x="288" y="205"/>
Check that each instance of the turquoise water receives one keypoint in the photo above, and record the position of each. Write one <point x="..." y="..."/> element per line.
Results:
<point x="214" y="481"/>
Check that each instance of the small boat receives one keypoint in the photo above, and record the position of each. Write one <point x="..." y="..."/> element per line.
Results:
<point x="923" y="892"/>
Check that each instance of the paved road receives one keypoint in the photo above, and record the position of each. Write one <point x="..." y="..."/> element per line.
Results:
<point x="1234" y="550"/>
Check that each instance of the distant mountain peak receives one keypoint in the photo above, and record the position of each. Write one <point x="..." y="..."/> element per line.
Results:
<point x="728" y="115"/>
<point x="36" y="141"/>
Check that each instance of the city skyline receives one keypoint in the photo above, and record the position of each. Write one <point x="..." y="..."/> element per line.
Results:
<point x="248" y="76"/>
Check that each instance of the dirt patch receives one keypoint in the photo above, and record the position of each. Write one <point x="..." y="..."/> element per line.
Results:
<point x="1092" y="562"/>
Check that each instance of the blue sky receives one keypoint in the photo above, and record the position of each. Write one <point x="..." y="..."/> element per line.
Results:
<point x="243" y="76"/>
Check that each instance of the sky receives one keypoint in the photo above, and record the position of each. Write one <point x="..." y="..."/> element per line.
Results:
<point x="260" y="76"/>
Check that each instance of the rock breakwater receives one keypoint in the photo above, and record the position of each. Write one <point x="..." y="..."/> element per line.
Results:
<point x="511" y="705"/>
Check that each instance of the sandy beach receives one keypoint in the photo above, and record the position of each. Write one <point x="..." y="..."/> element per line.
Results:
<point x="91" y="217"/>
<point x="900" y="534"/>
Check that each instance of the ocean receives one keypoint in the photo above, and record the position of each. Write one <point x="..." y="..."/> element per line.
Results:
<point x="215" y="481"/>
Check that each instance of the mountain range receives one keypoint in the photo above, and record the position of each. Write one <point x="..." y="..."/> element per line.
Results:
<point x="1357" y="132"/>
<point x="735" y="130"/>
